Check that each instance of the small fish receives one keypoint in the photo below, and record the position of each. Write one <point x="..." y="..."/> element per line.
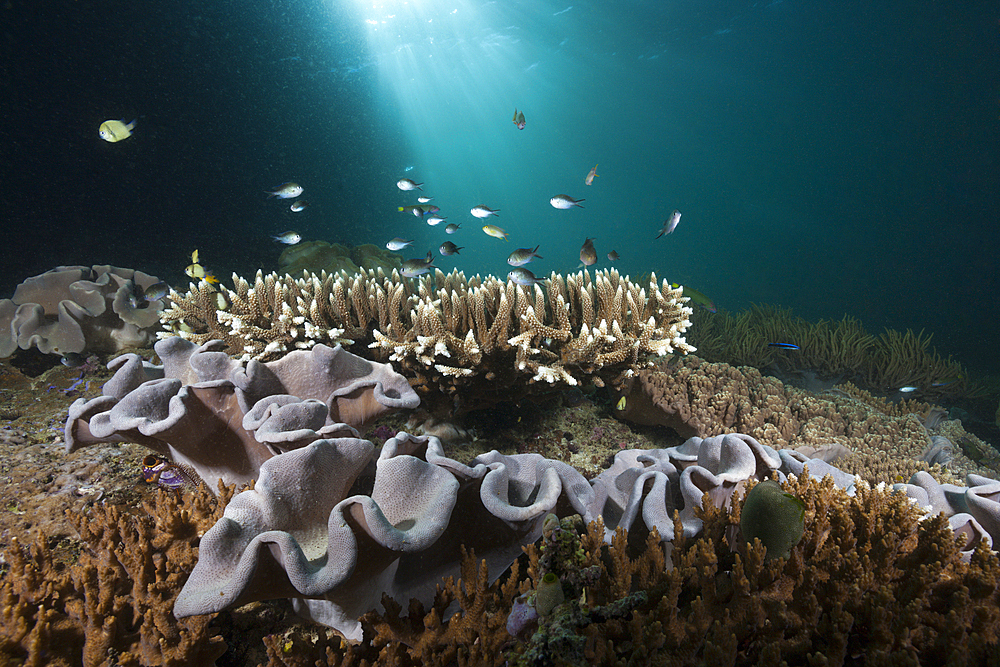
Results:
<point x="587" y="253"/>
<point x="495" y="232"/>
<point x="452" y="228"/>
<point x="523" y="276"/>
<point x="157" y="291"/>
<point x="522" y="256"/>
<point x="909" y="389"/>
<point x="158" y="470"/>
<point x="116" y="130"/>
<point x="197" y="271"/>
<point x="613" y="256"/>
<point x="518" y="119"/>
<point x="697" y="297"/>
<point x="415" y="267"/>
<point x="73" y="360"/>
<point x="299" y="206"/>
<point x="136" y="295"/>
<point x="415" y="210"/>
<point x="425" y="200"/>
<point x="398" y="244"/>
<point x="591" y="176"/>
<point x="670" y="224"/>
<point x="449" y="248"/>
<point x="406" y="184"/>
<point x="484" y="211"/>
<point x="287" y="190"/>
<point x="784" y="346"/>
<point x="288" y="238"/>
<point x="434" y="219"/>
<point x="565" y="202"/>
<point x="621" y="404"/>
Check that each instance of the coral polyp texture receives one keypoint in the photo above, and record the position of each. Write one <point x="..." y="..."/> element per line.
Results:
<point x="450" y="332"/>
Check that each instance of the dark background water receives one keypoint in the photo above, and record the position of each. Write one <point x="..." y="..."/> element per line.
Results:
<point x="831" y="157"/>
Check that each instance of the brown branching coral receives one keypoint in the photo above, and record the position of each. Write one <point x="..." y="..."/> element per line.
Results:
<point x="478" y="339"/>
<point x="841" y="350"/>
<point x="113" y="605"/>
<point x="697" y="398"/>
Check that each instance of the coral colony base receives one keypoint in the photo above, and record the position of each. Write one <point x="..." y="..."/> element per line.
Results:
<point x="829" y="528"/>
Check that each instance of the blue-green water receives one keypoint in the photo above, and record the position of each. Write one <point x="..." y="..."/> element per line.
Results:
<point x="831" y="157"/>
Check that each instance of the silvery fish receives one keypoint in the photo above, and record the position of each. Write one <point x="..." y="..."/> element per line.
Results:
<point x="522" y="256"/>
<point x="425" y="200"/>
<point x="449" y="248"/>
<point x="299" y="205"/>
<point x="434" y="219"/>
<point x="523" y="276"/>
<point x="398" y="244"/>
<point x="451" y="228"/>
<point x="116" y="130"/>
<point x="287" y="190"/>
<point x="587" y="253"/>
<point x="288" y="238"/>
<point x="406" y="184"/>
<point x="415" y="267"/>
<point x="670" y="224"/>
<point x="565" y="202"/>
<point x="484" y="211"/>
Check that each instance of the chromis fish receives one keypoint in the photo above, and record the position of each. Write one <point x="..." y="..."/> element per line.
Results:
<point x="406" y="184"/>
<point x="434" y="219"/>
<point x="287" y="190"/>
<point x="565" y="201"/>
<point x="398" y="244"/>
<point x="299" y="206"/>
<point x="587" y="253"/>
<point x="451" y="228"/>
<point x="425" y="200"/>
<point x="449" y="248"/>
<point x="484" y="211"/>
<point x="591" y="176"/>
<point x="288" y="238"/>
<point x="495" y="232"/>
<point x="670" y="224"/>
<point x="522" y="276"/>
<point x="156" y="291"/>
<point x="197" y="271"/>
<point x="696" y="297"/>
<point x="416" y="267"/>
<point x="518" y="119"/>
<point x="522" y="256"/>
<point x="116" y="130"/>
<point x="909" y="389"/>
<point x="613" y="256"/>
<point x="784" y="346"/>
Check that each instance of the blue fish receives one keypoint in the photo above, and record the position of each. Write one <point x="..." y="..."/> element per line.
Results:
<point x="784" y="346"/>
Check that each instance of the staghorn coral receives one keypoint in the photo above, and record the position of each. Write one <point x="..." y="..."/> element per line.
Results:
<point x="478" y="339"/>
<point x="841" y="350"/>
<point x="695" y="397"/>
<point x="113" y="605"/>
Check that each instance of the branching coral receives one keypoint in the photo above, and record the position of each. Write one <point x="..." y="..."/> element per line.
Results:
<point x="115" y="602"/>
<point x="475" y="340"/>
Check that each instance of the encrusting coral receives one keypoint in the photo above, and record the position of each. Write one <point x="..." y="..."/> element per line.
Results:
<point x="476" y="340"/>
<point x="113" y="605"/>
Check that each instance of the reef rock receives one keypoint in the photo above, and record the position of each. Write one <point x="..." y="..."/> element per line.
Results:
<point x="78" y="309"/>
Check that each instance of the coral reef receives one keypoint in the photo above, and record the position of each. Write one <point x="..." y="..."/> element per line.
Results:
<point x="223" y="418"/>
<point x="695" y="397"/>
<point x="80" y="309"/>
<point x="113" y="604"/>
<point x="841" y="350"/>
<point x="472" y="341"/>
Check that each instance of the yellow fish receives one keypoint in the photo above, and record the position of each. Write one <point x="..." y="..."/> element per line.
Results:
<point x="590" y="177"/>
<point x="495" y="232"/>
<point x="116" y="130"/>
<point x="621" y="404"/>
<point x="196" y="270"/>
